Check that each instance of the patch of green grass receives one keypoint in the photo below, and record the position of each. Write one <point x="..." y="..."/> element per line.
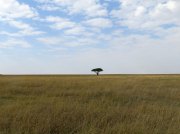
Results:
<point x="107" y="104"/>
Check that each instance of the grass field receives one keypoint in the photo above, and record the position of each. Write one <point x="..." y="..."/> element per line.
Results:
<point x="109" y="104"/>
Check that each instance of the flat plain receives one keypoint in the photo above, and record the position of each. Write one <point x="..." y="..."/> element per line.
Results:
<point x="106" y="104"/>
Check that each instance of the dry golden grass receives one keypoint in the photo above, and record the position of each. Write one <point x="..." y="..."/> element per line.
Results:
<point x="117" y="104"/>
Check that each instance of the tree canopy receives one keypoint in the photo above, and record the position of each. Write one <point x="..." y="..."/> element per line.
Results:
<point x="97" y="70"/>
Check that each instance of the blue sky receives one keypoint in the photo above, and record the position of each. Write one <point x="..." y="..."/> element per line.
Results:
<point x="68" y="36"/>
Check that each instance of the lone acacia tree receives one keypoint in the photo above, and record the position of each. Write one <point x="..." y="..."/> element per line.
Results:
<point x="97" y="70"/>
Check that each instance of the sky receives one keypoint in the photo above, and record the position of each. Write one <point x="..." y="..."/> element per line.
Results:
<point x="75" y="36"/>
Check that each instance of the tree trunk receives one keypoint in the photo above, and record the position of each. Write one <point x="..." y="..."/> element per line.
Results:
<point x="97" y="73"/>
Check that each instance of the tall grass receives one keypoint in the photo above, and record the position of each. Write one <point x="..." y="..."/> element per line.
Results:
<point x="119" y="104"/>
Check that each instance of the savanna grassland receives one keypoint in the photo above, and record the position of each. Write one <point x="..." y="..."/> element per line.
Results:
<point x="107" y="104"/>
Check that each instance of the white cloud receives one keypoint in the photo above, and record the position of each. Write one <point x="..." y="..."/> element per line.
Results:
<point x="12" y="42"/>
<point x="22" y="33"/>
<point x="48" y="7"/>
<point x="78" y="30"/>
<point x="19" y="24"/>
<point x="60" y="23"/>
<point x="99" y="22"/>
<point x="69" y="27"/>
<point x="139" y="11"/>
<point x="14" y="9"/>
<point x="167" y="12"/>
<point x="90" y="8"/>
<point x="147" y="14"/>
<point x="50" y="40"/>
<point x="68" y="41"/>
<point x="24" y="29"/>
<point x="12" y="12"/>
